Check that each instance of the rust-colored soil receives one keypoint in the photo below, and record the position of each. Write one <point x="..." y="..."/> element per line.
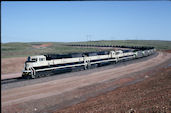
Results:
<point x="149" y="96"/>
<point x="168" y="51"/>
<point x="12" y="65"/>
<point x="42" y="45"/>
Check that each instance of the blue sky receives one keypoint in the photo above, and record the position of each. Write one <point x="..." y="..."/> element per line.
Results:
<point x="82" y="21"/>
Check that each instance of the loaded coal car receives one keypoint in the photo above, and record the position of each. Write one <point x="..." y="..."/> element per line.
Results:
<point x="103" y="52"/>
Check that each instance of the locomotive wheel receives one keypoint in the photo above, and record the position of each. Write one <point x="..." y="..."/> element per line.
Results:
<point x="94" y="66"/>
<point x="75" y="69"/>
<point x="99" y="65"/>
<point x="89" y="66"/>
<point x="33" y="76"/>
<point x="27" y="77"/>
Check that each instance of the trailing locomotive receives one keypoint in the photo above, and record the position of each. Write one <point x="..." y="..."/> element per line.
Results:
<point x="43" y="65"/>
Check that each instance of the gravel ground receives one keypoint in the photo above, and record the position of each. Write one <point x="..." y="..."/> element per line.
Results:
<point x="152" y="95"/>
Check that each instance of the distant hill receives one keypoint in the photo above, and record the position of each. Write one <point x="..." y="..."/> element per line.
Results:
<point x="19" y="49"/>
<point x="36" y="48"/>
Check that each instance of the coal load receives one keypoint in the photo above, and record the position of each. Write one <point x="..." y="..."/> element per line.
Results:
<point x="103" y="53"/>
<point x="72" y="55"/>
<point x="135" y="50"/>
<point x="91" y="54"/>
<point x="126" y="51"/>
<point x="52" y="56"/>
<point x="58" y="56"/>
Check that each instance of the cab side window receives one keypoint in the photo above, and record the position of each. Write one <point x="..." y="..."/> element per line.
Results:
<point x="117" y="53"/>
<point x="41" y="59"/>
<point x="34" y="59"/>
<point x="29" y="59"/>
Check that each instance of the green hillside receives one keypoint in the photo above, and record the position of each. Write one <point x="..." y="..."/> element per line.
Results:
<point x="27" y="49"/>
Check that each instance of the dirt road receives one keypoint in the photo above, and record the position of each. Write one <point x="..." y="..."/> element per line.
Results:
<point x="12" y="65"/>
<point x="34" y="98"/>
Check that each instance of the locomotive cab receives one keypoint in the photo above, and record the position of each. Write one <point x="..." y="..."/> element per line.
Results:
<point x="36" y="58"/>
<point x="31" y="62"/>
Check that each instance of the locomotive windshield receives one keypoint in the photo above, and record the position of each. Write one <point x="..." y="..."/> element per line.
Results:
<point x="29" y="59"/>
<point x="34" y="59"/>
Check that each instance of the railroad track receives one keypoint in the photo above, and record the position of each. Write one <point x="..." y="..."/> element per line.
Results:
<point x="11" y="80"/>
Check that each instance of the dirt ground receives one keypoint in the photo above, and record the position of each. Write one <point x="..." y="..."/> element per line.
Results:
<point x="149" y="96"/>
<point x="12" y="65"/>
<point x="152" y="95"/>
<point x="42" y="45"/>
<point x="56" y="94"/>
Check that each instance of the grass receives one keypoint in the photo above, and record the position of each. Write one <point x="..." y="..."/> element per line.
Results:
<point x="9" y="50"/>
<point x="26" y="49"/>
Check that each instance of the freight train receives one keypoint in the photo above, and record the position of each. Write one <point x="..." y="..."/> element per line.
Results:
<point x="45" y="65"/>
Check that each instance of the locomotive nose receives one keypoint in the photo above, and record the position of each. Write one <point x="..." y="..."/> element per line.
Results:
<point x="25" y="66"/>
